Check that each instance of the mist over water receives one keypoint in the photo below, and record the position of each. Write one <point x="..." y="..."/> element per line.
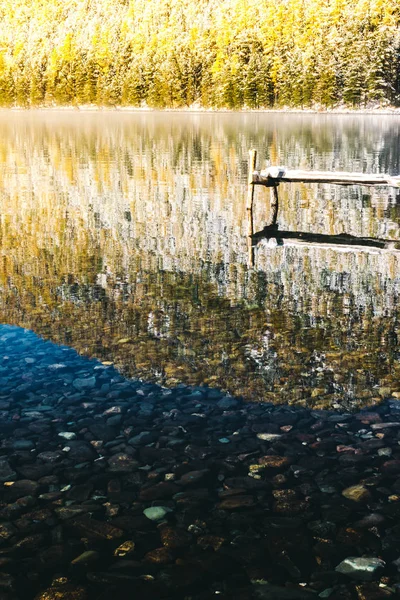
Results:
<point x="124" y="235"/>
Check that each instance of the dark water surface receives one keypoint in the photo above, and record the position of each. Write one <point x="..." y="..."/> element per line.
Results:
<point x="125" y="236"/>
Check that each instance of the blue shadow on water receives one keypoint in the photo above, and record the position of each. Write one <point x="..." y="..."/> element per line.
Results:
<point x="40" y="371"/>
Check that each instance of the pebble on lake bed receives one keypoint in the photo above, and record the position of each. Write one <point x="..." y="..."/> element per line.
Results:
<point x="86" y="558"/>
<point x="67" y="435"/>
<point x="269" y="437"/>
<point x="357" y="493"/>
<point x="361" y="568"/>
<point x="125" y="549"/>
<point x="156" y="513"/>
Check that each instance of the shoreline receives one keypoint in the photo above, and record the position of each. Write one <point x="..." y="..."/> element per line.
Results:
<point x="395" y="111"/>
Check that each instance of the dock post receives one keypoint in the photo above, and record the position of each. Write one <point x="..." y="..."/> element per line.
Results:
<point x="274" y="204"/>
<point x="249" y="203"/>
<point x="250" y="184"/>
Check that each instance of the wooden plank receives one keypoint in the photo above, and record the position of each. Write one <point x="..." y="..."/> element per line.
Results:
<point x="274" y="175"/>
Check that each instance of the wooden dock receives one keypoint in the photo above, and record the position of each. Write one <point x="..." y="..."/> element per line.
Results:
<point x="272" y="177"/>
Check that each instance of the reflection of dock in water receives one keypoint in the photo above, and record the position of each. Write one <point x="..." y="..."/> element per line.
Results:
<point x="273" y="176"/>
<point x="342" y="241"/>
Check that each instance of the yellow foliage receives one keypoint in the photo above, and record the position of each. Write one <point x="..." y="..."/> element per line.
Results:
<point x="172" y="53"/>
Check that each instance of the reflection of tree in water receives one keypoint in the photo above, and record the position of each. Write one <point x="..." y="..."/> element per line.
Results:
<point x="171" y="327"/>
<point x="167" y="293"/>
<point x="265" y="358"/>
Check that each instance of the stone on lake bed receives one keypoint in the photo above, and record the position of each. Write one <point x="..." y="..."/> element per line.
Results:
<point x="268" y="437"/>
<point x="159" y="556"/>
<point x="86" y="558"/>
<point x="124" y="549"/>
<point x="385" y="451"/>
<point x="142" y="438"/>
<point x="210" y="541"/>
<point x="81" y="451"/>
<point x="374" y="591"/>
<point x="122" y="463"/>
<point x="81" y="492"/>
<point x="385" y="425"/>
<point x="50" y="456"/>
<point x="6" y="472"/>
<point x="391" y="467"/>
<point x="63" y="592"/>
<point x="357" y="493"/>
<point x="371" y="520"/>
<point x="193" y="477"/>
<point x="68" y="512"/>
<point x="67" y="435"/>
<point x="94" y="529"/>
<point x="164" y="489"/>
<point x="19" y="489"/>
<point x="113" y="410"/>
<point x="7" y="530"/>
<point x="56" y="366"/>
<point x="326" y="593"/>
<point x="274" y="462"/>
<point x="123" y="341"/>
<point x="84" y="383"/>
<point x="361" y="568"/>
<point x="236" y="502"/>
<point x="227" y="403"/>
<point x="266" y="591"/>
<point x="23" y="445"/>
<point x="173" y="537"/>
<point x="156" y="513"/>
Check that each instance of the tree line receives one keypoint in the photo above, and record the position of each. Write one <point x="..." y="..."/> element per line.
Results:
<point x="230" y="54"/>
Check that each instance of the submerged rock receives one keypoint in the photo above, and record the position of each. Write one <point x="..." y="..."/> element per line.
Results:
<point x="172" y="537"/>
<point x="227" y="403"/>
<point x="122" y="463"/>
<point x="269" y="437"/>
<point x="357" y="493"/>
<point x="267" y="591"/>
<point x="86" y="558"/>
<point x="193" y="477"/>
<point x="159" y="556"/>
<point x="84" y="383"/>
<point x="63" y="592"/>
<point x="67" y="435"/>
<point x="156" y="513"/>
<point x="274" y="462"/>
<point x="236" y="502"/>
<point x="92" y="528"/>
<point x="6" y="472"/>
<point x="125" y="549"/>
<point x="372" y="591"/>
<point x="7" y="530"/>
<point x="362" y="568"/>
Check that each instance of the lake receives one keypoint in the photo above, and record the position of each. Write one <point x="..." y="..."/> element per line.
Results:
<point x="124" y="235"/>
<point x="182" y="415"/>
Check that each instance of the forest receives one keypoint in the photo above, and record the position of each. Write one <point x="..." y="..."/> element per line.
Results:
<point x="200" y="53"/>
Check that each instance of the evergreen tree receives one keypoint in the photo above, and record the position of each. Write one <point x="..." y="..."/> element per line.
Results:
<point x="236" y="53"/>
